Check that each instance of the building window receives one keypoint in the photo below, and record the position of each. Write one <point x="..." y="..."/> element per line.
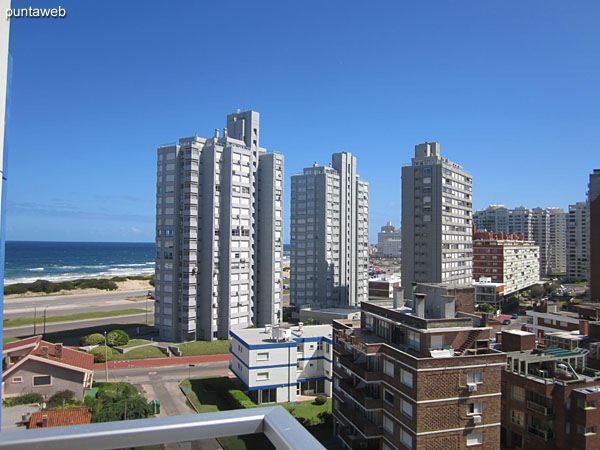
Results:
<point x="388" y="425"/>
<point x="474" y="408"/>
<point x="518" y="394"/>
<point x="474" y="439"/>
<point x="42" y="380"/>
<point x="516" y="417"/>
<point x="587" y="404"/>
<point x="262" y="376"/>
<point x="17" y="379"/>
<point x="414" y="339"/>
<point x="388" y="368"/>
<point x="262" y="356"/>
<point x="407" y="378"/>
<point x="320" y="345"/>
<point x="388" y="397"/>
<point x="475" y="377"/>
<point x="407" y="409"/>
<point x="405" y="438"/>
<point x="586" y="430"/>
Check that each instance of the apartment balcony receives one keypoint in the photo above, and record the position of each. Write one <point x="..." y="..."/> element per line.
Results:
<point x="355" y="441"/>
<point x="275" y="422"/>
<point x="360" y="369"/>
<point x="359" y="421"/>
<point x="545" y="434"/>
<point x="361" y="395"/>
<point x="540" y="409"/>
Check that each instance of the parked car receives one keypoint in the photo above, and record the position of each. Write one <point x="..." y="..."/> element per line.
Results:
<point x="515" y="316"/>
<point x="506" y="322"/>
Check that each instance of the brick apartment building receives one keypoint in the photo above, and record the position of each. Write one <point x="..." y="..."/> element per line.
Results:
<point x="549" y="396"/>
<point x="416" y="377"/>
<point x="506" y="259"/>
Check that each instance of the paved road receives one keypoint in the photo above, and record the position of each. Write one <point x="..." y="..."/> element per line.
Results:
<point x="27" y="330"/>
<point x="73" y="303"/>
<point x="162" y="384"/>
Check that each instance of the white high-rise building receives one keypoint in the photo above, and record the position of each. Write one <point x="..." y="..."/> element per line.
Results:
<point x="550" y="233"/>
<point x="520" y="221"/>
<point x="219" y="226"/>
<point x="389" y="242"/>
<point x="437" y="226"/>
<point x="329" y="235"/>
<point x="578" y="266"/>
<point x="494" y="219"/>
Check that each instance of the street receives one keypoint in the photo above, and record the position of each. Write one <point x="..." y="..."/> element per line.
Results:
<point x="73" y="303"/>
<point x="162" y="384"/>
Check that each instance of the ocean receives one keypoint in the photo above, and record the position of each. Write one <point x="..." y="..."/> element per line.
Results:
<point x="56" y="261"/>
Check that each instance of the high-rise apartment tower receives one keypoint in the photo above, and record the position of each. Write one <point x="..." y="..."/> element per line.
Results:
<point x="594" y="202"/>
<point x="437" y="223"/>
<point x="578" y="265"/>
<point x="329" y="235"/>
<point x="550" y="233"/>
<point x="219" y="226"/>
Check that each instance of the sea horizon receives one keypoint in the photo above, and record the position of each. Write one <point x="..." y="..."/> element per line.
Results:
<point x="28" y="261"/>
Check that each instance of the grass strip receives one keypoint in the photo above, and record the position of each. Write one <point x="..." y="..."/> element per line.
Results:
<point x="199" y="348"/>
<point x="21" y="321"/>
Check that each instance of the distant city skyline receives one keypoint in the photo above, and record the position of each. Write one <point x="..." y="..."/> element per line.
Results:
<point x="509" y="90"/>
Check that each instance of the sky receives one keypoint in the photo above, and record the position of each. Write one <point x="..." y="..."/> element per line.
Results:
<point x="510" y="90"/>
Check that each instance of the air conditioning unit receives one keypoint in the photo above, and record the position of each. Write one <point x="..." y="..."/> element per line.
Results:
<point x="472" y="387"/>
<point x="476" y="419"/>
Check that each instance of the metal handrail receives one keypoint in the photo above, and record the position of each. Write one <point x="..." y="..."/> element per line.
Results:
<point x="275" y="422"/>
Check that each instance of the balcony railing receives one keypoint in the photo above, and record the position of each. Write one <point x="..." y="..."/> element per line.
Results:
<point x="275" y="422"/>
<point x="360" y="369"/>
<point x="540" y="409"/>
<point x="359" y="421"/>
<point x="540" y="432"/>
<point x="361" y="395"/>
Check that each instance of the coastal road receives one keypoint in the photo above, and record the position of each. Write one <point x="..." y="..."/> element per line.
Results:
<point x="162" y="384"/>
<point x="58" y="305"/>
<point x="27" y="330"/>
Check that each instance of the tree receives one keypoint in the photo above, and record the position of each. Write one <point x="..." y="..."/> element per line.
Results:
<point x="92" y="339"/>
<point x="536" y="291"/>
<point x="487" y="308"/>
<point x="117" y="337"/>
<point x="100" y="355"/>
<point x="125" y="409"/>
<point x="68" y="397"/>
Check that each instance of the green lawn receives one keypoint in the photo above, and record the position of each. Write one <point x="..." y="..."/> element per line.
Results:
<point x="309" y="411"/>
<point x="198" y="348"/>
<point x="135" y="343"/>
<point x="70" y="318"/>
<point x="146" y="352"/>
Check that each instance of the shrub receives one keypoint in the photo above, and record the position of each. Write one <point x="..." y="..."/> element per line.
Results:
<point x="325" y="417"/>
<point x="117" y="337"/>
<point x="487" y="308"/>
<point x="116" y="279"/>
<point x="321" y="399"/>
<point x="24" y="399"/>
<point x="60" y="396"/>
<point x="152" y="279"/>
<point x="92" y="339"/>
<point x="239" y="400"/>
<point x="99" y="354"/>
<point x="135" y="408"/>
<point x="19" y="288"/>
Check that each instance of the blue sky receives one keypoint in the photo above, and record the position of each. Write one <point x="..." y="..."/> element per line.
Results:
<point x="510" y="89"/>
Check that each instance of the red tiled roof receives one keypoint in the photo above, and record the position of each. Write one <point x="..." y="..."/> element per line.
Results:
<point x="22" y="343"/>
<point x="61" y="418"/>
<point x="69" y="356"/>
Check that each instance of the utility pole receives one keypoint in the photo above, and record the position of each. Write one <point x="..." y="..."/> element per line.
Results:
<point x="34" y="317"/>
<point x="106" y="356"/>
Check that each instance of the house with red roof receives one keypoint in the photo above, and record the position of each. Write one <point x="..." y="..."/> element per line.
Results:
<point x="60" y="418"/>
<point x="34" y="365"/>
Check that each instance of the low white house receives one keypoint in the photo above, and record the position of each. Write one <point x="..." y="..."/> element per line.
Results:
<point x="277" y="363"/>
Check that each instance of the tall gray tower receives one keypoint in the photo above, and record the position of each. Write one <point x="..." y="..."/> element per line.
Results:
<point x="219" y="225"/>
<point x="437" y="224"/>
<point x="329" y="235"/>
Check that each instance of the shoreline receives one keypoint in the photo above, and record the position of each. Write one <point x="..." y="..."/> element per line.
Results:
<point x="122" y="286"/>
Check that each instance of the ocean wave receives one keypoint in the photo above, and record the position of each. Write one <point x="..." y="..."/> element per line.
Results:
<point x="79" y="275"/>
<point x="36" y="269"/>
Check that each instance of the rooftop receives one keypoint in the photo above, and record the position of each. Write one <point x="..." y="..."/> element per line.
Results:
<point x="254" y="336"/>
<point x="60" y="418"/>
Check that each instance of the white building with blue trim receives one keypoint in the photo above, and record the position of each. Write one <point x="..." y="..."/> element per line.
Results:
<point x="277" y="364"/>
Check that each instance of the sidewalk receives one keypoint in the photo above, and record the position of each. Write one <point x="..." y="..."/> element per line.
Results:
<point x="156" y="362"/>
